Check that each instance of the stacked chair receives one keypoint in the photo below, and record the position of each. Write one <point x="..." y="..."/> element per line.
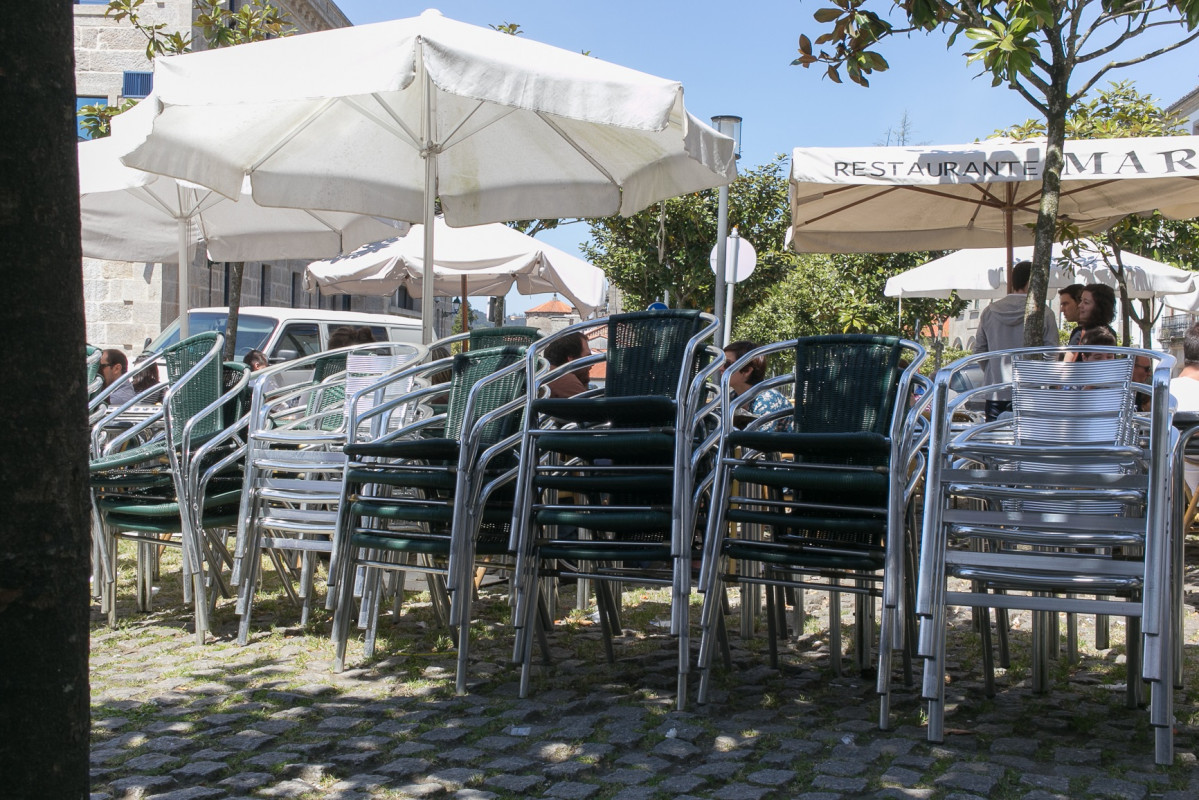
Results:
<point x="172" y="476"/>
<point x="297" y="432"/>
<point x="1064" y="507"/>
<point x="821" y="500"/>
<point x="433" y="496"/>
<point x="636" y="456"/>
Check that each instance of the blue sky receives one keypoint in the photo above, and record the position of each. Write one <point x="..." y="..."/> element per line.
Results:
<point x="734" y="58"/>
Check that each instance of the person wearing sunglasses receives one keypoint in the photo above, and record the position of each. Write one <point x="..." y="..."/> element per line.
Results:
<point x="113" y="367"/>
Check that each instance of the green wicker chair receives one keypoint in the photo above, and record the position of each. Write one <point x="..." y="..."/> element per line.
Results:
<point x="633" y="457"/>
<point x="182" y="484"/>
<point x="822" y="504"/>
<point x="432" y="503"/>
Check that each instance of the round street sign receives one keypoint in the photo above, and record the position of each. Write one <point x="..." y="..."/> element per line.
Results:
<point x="744" y="257"/>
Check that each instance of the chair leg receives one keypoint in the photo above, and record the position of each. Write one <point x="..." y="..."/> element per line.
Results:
<point x="988" y="654"/>
<point x="772" y="626"/>
<point x="602" y="602"/>
<point x="1103" y="636"/>
<point x="834" y="631"/>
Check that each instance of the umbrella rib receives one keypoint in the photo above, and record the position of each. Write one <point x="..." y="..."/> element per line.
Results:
<point x="850" y="205"/>
<point x="413" y="138"/>
<point x="587" y="156"/>
<point x="299" y="128"/>
<point x="446" y="143"/>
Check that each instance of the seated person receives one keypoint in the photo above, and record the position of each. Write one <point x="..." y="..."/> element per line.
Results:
<point x="1185" y="391"/>
<point x="752" y="374"/>
<point x="1142" y="372"/>
<point x="363" y="335"/>
<point x="1097" y="337"/>
<point x="113" y="367"/>
<point x="256" y="360"/>
<point x="144" y="380"/>
<point x="342" y="337"/>
<point x="561" y="351"/>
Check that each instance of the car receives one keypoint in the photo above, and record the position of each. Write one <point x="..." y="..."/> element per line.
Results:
<point x="284" y="334"/>
<point x="964" y="380"/>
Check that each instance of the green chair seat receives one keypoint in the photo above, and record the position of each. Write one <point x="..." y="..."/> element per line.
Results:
<point x="832" y="485"/>
<point x="629" y="448"/>
<point x="444" y="450"/>
<point x="596" y="518"/>
<point x="806" y="557"/>
<point x="587" y="483"/>
<point x="648" y="411"/>
<point x="873" y="447"/>
<point x="151" y="452"/>
<point x="591" y="550"/>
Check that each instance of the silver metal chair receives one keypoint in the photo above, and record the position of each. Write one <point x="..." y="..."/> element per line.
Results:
<point x="1071" y="512"/>
<point x="295" y="462"/>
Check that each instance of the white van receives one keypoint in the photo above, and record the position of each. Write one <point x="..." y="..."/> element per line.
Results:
<point x="287" y="333"/>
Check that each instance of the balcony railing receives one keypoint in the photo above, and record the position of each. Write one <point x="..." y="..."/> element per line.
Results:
<point x="1175" y="327"/>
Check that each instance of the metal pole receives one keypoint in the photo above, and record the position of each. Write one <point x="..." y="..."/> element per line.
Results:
<point x="727" y="328"/>
<point x="722" y="228"/>
<point x="465" y="308"/>
<point x="427" y="293"/>
<point x="183" y="229"/>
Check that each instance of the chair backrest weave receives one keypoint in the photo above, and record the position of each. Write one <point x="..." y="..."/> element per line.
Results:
<point x="470" y="368"/>
<point x="647" y="350"/>
<point x="201" y="390"/>
<point x="846" y="383"/>
<point x="1072" y="404"/>
<point x="498" y="337"/>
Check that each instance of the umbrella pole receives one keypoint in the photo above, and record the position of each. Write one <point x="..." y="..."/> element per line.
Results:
<point x="1007" y="238"/>
<point x="183" y="262"/>
<point x="465" y="311"/>
<point x="427" y="293"/>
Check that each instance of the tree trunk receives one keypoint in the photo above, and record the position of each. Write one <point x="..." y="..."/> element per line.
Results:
<point x="236" y="270"/>
<point x="1051" y="186"/>
<point x="44" y="603"/>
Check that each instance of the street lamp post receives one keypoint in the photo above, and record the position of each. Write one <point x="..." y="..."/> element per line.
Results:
<point x="729" y="126"/>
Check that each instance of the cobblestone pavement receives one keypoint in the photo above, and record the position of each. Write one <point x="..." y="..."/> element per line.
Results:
<point x="174" y="720"/>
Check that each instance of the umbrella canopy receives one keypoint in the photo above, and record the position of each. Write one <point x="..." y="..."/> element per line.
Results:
<point x="381" y="119"/>
<point x="130" y="215"/>
<point x="897" y="199"/>
<point x="982" y="273"/>
<point x="492" y="258"/>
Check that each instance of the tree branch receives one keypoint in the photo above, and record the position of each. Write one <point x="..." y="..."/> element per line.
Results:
<point x="1082" y="90"/>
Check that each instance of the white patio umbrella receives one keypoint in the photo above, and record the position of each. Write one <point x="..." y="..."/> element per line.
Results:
<point x="896" y="199"/>
<point x="384" y="119"/>
<point x="490" y="258"/>
<point x="982" y="273"/>
<point x="130" y="215"/>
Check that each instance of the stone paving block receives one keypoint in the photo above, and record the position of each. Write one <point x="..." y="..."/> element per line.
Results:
<point x="444" y="734"/>
<point x="364" y="782"/>
<point x="199" y="769"/>
<point x="743" y="791"/>
<point x="411" y="748"/>
<point x="818" y="796"/>
<point x="287" y="788"/>
<point x="771" y="777"/>
<point x="246" y="781"/>
<point x="275" y="726"/>
<point x="454" y="778"/>
<point x="1076" y="755"/>
<point x="419" y="791"/>
<point x="970" y="782"/>
<point x="901" y="777"/>
<point x="569" y="769"/>
<point x="842" y="767"/>
<point x="675" y="749"/>
<point x="247" y="740"/>
<point x="1117" y="789"/>
<point x="474" y="794"/>
<point x="209" y="754"/>
<point x="904" y="793"/>
<point x="497" y="743"/>
<point x="1049" y="783"/>
<point x="340" y="723"/>
<point x="676" y="785"/>
<point x="461" y="754"/>
<point x="151" y="762"/>
<point x="168" y="744"/>
<point x="404" y="766"/>
<point x="518" y="784"/>
<point x="136" y="787"/>
<point x="572" y="790"/>
<point x="190" y="793"/>
<point x="635" y="793"/>
<point x="271" y="758"/>
<point x="837" y="784"/>
<point x="394" y="727"/>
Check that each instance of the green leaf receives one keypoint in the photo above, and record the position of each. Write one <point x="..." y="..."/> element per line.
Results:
<point x="827" y="14"/>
